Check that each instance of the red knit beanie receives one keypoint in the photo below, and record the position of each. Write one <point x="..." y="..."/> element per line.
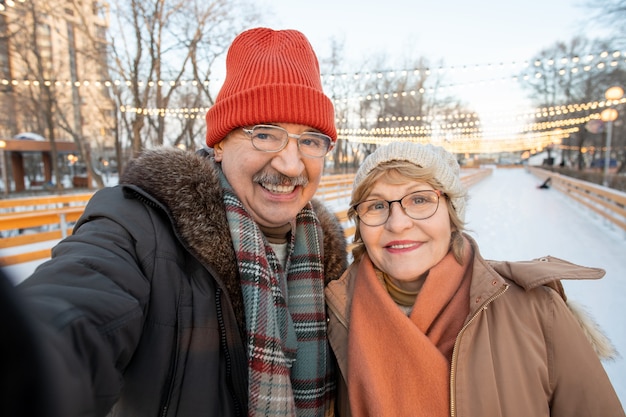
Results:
<point x="271" y="77"/>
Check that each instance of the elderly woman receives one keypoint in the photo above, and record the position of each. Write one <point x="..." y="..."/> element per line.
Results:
<point x="422" y="325"/>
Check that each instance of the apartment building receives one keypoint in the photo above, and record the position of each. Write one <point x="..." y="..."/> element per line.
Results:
<point x="53" y="71"/>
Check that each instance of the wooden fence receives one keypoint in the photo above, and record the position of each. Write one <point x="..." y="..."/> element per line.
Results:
<point x="25" y="222"/>
<point x="607" y="202"/>
<point x="31" y="220"/>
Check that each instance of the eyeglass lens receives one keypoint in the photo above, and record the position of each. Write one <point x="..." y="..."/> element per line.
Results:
<point x="274" y="139"/>
<point x="419" y="205"/>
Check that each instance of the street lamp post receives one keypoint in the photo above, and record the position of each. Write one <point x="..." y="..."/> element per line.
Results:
<point x="609" y="115"/>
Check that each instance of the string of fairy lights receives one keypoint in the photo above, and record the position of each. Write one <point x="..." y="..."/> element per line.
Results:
<point x="465" y="133"/>
<point x="9" y="3"/>
<point x="537" y="69"/>
<point x="602" y="60"/>
<point x="470" y="137"/>
<point x="459" y="132"/>
<point x="189" y="112"/>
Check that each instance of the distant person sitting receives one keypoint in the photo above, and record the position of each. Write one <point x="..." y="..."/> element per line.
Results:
<point x="546" y="183"/>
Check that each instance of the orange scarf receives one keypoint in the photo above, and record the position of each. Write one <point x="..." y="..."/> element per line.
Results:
<point x="397" y="365"/>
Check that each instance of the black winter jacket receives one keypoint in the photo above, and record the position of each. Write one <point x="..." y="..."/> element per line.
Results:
<point x="141" y="306"/>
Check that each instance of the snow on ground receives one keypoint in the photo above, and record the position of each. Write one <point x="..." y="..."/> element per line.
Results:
<point x="514" y="220"/>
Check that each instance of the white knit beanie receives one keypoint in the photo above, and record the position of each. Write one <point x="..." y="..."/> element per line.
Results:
<point x="445" y="166"/>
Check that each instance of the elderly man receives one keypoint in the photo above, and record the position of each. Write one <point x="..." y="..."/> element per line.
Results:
<point x="195" y="287"/>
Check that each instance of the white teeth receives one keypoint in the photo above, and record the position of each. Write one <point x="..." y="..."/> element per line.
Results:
<point x="279" y="189"/>
<point x="400" y="246"/>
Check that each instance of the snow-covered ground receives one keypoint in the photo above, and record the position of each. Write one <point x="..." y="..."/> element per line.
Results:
<point x="514" y="220"/>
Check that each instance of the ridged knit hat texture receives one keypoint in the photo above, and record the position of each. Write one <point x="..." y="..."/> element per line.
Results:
<point x="446" y="168"/>
<point x="272" y="76"/>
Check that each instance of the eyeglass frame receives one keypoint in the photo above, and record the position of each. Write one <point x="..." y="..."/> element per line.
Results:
<point x="250" y="131"/>
<point x="438" y="193"/>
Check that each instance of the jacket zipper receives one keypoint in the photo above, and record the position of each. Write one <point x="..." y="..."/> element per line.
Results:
<point x="456" y="345"/>
<point x="224" y="343"/>
<point x="166" y="401"/>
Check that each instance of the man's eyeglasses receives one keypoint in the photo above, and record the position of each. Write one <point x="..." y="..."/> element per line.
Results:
<point x="269" y="138"/>
<point x="418" y="205"/>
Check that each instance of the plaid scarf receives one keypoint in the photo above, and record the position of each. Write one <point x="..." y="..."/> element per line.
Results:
<point x="288" y="357"/>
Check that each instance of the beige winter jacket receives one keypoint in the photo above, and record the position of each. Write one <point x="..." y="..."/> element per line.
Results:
<point x="524" y="351"/>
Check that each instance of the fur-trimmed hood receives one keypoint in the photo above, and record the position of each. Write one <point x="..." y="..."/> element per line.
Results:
<point x="186" y="185"/>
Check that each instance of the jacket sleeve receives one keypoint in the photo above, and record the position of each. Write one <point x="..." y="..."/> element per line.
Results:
<point x="88" y="302"/>
<point x="579" y="383"/>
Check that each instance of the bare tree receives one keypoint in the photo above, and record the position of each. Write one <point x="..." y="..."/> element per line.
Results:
<point x="337" y="84"/>
<point x="402" y="104"/>
<point x="574" y="73"/>
<point x="165" y="52"/>
<point x="52" y="47"/>
<point x="609" y="15"/>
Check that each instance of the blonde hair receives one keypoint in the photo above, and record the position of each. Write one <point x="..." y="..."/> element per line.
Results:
<point x="399" y="172"/>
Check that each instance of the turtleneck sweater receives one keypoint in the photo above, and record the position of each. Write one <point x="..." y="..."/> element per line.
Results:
<point x="278" y="238"/>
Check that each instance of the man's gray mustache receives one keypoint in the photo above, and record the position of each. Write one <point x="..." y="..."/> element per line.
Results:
<point x="279" y="179"/>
